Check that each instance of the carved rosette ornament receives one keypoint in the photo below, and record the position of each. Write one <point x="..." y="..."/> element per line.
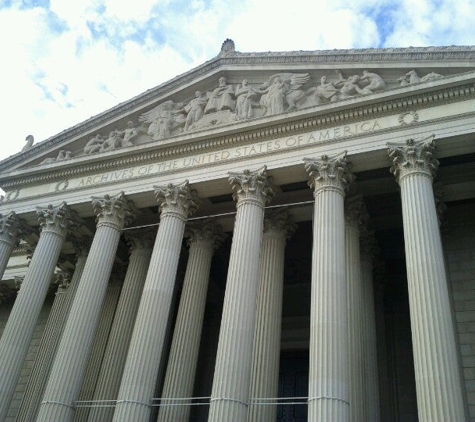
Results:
<point x="205" y="233"/>
<point x="414" y="156"/>
<point x="178" y="200"/>
<point x="114" y="211"/>
<point x="329" y="172"/>
<point x="279" y="222"/>
<point x="10" y="228"/>
<point x="57" y="220"/>
<point x="252" y="187"/>
<point x="356" y="214"/>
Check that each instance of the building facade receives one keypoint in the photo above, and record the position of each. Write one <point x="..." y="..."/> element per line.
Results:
<point x="267" y="237"/>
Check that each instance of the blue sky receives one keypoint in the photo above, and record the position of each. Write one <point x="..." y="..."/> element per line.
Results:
<point x="64" y="61"/>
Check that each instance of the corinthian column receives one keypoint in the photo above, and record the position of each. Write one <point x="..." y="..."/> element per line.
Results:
<point x="146" y="346"/>
<point x="64" y="383"/>
<point x="328" y="370"/>
<point x="438" y="383"/>
<point x="370" y="352"/>
<point x="55" y="222"/>
<point x="10" y="230"/>
<point x="232" y="375"/>
<point x="50" y="340"/>
<point x="140" y="244"/>
<point x="355" y="216"/>
<point x="180" y="375"/>
<point x="278" y="227"/>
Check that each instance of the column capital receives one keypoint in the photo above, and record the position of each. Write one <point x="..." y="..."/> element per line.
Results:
<point x="278" y="222"/>
<point x="329" y="172"/>
<point x="10" y="228"/>
<point x="368" y="245"/>
<point x="57" y="219"/>
<point x="413" y="156"/>
<point x="63" y="280"/>
<point x="251" y="186"/>
<point x="178" y="200"/>
<point x="140" y="239"/>
<point x="81" y="245"/>
<point x="204" y="232"/>
<point x="115" y="211"/>
<point x="356" y="214"/>
<point x="6" y="292"/>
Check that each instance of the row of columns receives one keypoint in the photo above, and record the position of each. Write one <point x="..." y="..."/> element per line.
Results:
<point x="342" y="379"/>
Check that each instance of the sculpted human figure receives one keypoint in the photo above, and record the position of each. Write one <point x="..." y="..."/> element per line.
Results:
<point x="163" y="118"/>
<point x="350" y="87"/>
<point x="94" y="145"/>
<point x="274" y="97"/>
<point x="244" y="99"/>
<point x="221" y="98"/>
<point x="114" y="141"/>
<point x="128" y="134"/>
<point x="326" y="91"/>
<point x="194" y="109"/>
<point x="376" y="82"/>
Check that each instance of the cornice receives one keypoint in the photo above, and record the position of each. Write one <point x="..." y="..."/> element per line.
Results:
<point x="370" y="55"/>
<point x="209" y="143"/>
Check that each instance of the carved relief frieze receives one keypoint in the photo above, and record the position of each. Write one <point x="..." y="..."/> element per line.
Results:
<point x="227" y="103"/>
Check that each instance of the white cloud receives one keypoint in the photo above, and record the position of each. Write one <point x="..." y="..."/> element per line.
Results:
<point x="80" y="57"/>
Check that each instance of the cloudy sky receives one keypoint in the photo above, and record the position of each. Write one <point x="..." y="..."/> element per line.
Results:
<point x="66" y="60"/>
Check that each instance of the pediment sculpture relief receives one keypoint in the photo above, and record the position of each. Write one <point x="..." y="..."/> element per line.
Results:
<point x="280" y="93"/>
<point x="411" y="78"/>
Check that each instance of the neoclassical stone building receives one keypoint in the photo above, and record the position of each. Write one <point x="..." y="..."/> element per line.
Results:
<point x="267" y="237"/>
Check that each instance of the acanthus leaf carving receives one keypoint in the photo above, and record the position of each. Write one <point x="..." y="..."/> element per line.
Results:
<point x="413" y="156"/>
<point x="329" y="172"/>
<point x="58" y="219"/>
<point x="280" y="222"/>
<point x="252" y="186"/>
<point x="205" y="232"/>
<point x="356" y="214"/>
<point x="10" y="228"/>
<point x="116" y="211"/>
<point x="142" y="239"/>
<point x="179" y="200"/>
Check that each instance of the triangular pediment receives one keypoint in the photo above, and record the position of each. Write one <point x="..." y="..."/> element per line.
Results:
<point x="244" y="90"/>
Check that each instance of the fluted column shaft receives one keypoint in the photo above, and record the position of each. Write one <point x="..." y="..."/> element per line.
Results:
<point x="146" y="346"/>
<point x="94" y="361"/>
<point x="10" y="229"/>
<point x="70" y="362"/>
<point x="183" y="358"/>
<point x="115" y="355"/>
<point x="49" y="342"/>
<point x="370" y="354"/>
<point x="438" y="383"/>
<point x="21" y="323"/>
<point x="266" y="349"/>
<point x="353" y="219"/>
<point x="232" y="375"/>
<point x="328" y="370"/>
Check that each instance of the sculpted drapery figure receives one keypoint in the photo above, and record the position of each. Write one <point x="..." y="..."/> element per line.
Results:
<point x="128" y="134"/>
<point x="94" y="145"/>
<point x="221" y="98"/>
<point x="245" y="97"/>
<point x="163" y="119"/>
<point x="282" y="88"/>
<point x="194" y="110"/>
